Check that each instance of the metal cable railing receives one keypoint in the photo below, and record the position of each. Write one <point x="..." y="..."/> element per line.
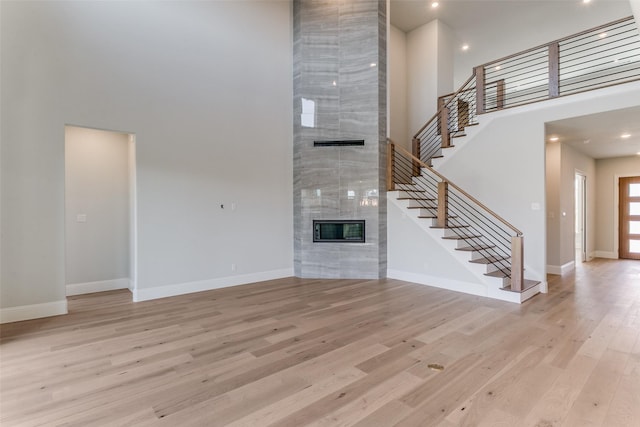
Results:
<point x="600" y="57"/>
<point x="595" y="58"/>
<point x="463" y="217"/>
<point x="456" y="112"/>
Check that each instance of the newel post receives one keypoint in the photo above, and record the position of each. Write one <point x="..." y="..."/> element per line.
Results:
<point x="517" y="263"/>
<point x="415" y="147"/>
<point x="480" y="89"/>
<point x="443" y="204"/>
<point x="500" y="87"/>
<point x="554" y="70"/>
<point x="391" y="165"/>
<point x="444" y="127"/>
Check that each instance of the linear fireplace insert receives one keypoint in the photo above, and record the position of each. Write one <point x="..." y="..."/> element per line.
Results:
<point x="338" y="231"/>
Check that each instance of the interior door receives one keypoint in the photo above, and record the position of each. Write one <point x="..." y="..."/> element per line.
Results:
<point x="629" y="218"/>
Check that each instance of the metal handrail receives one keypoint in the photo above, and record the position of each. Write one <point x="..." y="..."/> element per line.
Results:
<point x="581" y="33"/>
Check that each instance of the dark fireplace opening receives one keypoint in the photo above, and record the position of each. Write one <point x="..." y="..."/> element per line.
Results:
<point x="338" y="231"/>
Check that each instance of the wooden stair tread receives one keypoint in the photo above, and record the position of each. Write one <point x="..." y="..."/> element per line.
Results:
<point x="526" y="285"/>
<point x="428" y="217"/>
<point x="450" y="226"/>
<point x="458" y="135"/>
<point x="423" y="207"/>
<point x="488" y="260"/>
<point x="463" y="237"/>
<point x="474" y="248"/>
<point x="415" y="198"/>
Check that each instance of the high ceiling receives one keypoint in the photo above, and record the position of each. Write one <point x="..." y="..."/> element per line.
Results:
<point x="599" y="135"/>
<point x="478" y="18"/>
<point x="492" y="25"/>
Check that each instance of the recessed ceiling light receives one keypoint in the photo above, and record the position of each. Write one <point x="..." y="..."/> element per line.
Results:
<point x="602" y="35"/>
<point x="638" y="153"/>
<point x="586" y="1"/>
<point x="625" y="135"/>
<point x="435" y="4"/>
<point x="465" y="47"/>
<point x="554" y="138"/>
<point x="498" y="67"/>
<point x="373" y="64"/>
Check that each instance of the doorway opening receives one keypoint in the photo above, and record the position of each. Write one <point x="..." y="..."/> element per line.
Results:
<point x="100" y="210"/>
<point x="629" y="217"/>
<point x="580" y="217"/>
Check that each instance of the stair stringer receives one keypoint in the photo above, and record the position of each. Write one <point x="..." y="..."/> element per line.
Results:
<point x="485" y="286"/>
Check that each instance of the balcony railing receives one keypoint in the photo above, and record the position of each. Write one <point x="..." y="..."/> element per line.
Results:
<point x="603" y="56"/>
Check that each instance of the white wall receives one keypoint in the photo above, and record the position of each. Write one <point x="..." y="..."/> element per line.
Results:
<point x="608" y="171"/>
<point x="635" y="7"/>
<point x="504" y="164"/>
<point x="573" y="161"/>
<point x="96" y="186"/>
<point x="206" y="88"/>
<point x="414" y="253"/>
<point x="397" y="69"/>
<point x="429" y="71"/>
<point x="446" y="59"/>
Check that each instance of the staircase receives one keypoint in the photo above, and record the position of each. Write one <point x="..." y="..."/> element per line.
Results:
<point x="486" y="244"/>
<point x="491" y="247"/>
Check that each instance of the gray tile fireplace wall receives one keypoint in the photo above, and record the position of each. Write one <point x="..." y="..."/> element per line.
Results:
<point x="339" y="94"/>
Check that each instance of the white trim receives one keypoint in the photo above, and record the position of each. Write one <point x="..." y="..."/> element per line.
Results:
<point x="145" y="294"/>
<point x="33" y="311"/>
<point x="606" y="254"/>
<point x="479" y="289"/>
<point x="544" y="287"/>
<point x="561" y="269"/>
<point x="470" y="288"/>
<point x="133" y="213"/>
<point x="99" y="286"/>
<point x="586" y="219"/>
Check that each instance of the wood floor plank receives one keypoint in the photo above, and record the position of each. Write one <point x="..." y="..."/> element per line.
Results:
<point x="296" y="352"/>
<point x="593" y="402"/>
<point x="553" y="406"/>
<point x="625" y="405"/>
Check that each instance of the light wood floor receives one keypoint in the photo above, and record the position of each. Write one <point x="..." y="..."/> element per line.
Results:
<point x="298" y="352"/>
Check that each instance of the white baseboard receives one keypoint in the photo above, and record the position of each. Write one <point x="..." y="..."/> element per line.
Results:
<point x="34" y="311"/>
<point x="100" y="286"/>
<point x="146" y="294"/>
<point x="606" y="254"/>
<point x="439" y="282"/>
<point x="561" y="269"/>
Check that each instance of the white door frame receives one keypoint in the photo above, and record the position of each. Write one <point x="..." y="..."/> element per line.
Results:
<point x="133" y="212"/>
<point x="583" y="176"/>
